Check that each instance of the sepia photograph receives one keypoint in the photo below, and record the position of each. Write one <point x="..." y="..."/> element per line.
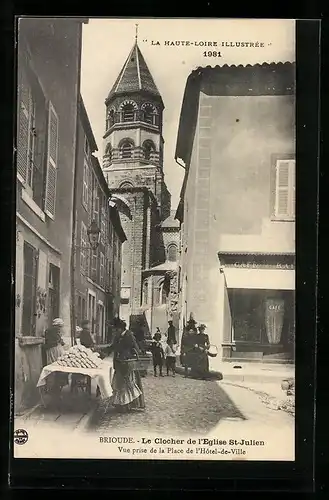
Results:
<point x="155" y="239"/>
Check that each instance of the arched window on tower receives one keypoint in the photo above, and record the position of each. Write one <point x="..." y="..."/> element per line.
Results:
<point x="108" y="152"/>
<point x="149" y="114"/>
<point x="126" y="149"/>
<point x="172" y="252"/>
<point x="128" y="113"/>
<point x="148" y="149"/>
<point x="126" y="185"/>
<point x="110" y="119"/>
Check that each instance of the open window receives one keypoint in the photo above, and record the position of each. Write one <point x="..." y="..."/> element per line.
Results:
<point x="148" y="149"/>
<point x="126" y="149"/>
<point x="128" y="113"/>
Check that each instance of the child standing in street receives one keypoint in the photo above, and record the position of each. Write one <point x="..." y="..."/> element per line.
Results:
<point x="170" y="353"/>
<point x="157" y="354"/>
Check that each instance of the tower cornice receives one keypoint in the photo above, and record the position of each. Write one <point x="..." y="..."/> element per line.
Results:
<point x="132" y="125"/>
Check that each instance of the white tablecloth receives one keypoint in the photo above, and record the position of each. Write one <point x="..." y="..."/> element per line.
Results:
<point x="102" y="375"/>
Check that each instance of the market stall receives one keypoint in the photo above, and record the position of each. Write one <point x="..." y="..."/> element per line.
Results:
<point x="78" y="367"/>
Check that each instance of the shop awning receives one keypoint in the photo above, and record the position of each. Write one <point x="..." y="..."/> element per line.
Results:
<point x="260" y="279"/>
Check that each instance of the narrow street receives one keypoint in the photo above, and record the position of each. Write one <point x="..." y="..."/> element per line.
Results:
<point x="179" y="405"/>
<point x="175" y="407"/>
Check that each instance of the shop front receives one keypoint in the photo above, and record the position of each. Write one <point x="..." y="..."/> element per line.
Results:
<point x="263" y="324"/>
<point x="261" y="307"/>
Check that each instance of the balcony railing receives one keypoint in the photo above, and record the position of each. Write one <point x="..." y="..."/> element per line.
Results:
<point x="137" y="116"/>
<point x="134" y="154"/>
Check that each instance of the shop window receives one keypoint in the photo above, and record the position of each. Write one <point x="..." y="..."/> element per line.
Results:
<point x="29" y="289"/>
<point x="247" y="314"/>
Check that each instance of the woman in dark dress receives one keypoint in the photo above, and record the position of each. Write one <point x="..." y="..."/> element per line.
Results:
<point x="188" y="342"/>
<point x="200" y="366"/>
<point x="126" y="384"/>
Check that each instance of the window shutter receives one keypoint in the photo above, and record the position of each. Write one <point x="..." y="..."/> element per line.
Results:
<point x="52" y="153"/>
<point x="282" y="188"/>
<point x="24" y="94"/>
<point x="82" y="252"/>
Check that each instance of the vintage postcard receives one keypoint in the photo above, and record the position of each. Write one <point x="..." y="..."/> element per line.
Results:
<point x="155" y="239"/>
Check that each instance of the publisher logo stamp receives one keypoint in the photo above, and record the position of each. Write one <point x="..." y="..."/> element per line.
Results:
<point x="21" y="436"/>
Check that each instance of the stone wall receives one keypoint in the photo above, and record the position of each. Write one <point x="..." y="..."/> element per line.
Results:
<point x="28" y="366"/>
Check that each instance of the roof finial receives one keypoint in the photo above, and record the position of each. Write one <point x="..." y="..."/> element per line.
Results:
<point x="136" y="34"/>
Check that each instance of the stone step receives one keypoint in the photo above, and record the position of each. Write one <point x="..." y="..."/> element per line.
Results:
<point x="250" y="373"/>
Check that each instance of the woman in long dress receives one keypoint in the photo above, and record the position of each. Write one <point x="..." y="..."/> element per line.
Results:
<point x="200" y="365"/>
<point x="188" y="346"/>
<point x="126" y="384"/>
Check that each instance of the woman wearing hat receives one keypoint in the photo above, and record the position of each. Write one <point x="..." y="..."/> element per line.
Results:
<point x="188" y="351"/>
<point x="200" y="368"/>
<point x="53" y="341"/>
<point x="127" y="385"/>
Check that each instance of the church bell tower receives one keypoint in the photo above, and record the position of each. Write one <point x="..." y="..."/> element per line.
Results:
<point x="133" y="168"/>
<point x="133" y="142"/>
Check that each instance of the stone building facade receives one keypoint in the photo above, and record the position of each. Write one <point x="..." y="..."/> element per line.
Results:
<point x="133" y="167"/>
<point x="236" y="142"/>
<point x="49" y="58"/>
<point x="97" y="271"/>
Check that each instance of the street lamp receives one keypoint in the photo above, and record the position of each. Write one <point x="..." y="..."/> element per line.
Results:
<point x="94" y="234"/>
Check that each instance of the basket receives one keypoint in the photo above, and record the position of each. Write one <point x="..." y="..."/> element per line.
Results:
<point x="139" y="364"/>
<point x="212" y="351"/>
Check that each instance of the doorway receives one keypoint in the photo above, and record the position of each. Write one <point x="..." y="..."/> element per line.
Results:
<point x="54" y="292"/>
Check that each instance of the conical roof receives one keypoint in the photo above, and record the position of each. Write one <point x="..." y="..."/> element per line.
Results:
<point x="134" y="76"/>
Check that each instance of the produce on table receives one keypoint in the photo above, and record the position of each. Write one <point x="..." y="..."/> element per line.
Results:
<point x="79" y="356"/>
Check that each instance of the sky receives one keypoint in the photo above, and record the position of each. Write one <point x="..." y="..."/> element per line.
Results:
<point x="106" y="44"/>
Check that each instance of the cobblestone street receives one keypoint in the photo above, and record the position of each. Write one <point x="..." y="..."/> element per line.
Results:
<point x="174" y="407"/>
<point x="179" y="405"/>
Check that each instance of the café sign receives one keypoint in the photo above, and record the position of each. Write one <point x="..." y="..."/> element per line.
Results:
<point x="259" y="265"/>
